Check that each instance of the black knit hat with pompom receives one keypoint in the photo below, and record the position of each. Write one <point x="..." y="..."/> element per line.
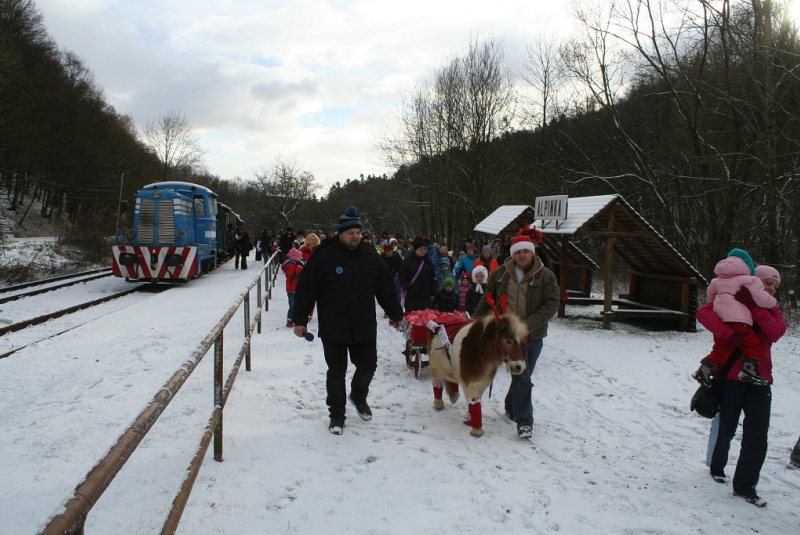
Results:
<point x="349" y="220"/>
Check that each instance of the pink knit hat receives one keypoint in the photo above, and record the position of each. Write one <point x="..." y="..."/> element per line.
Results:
<point x="768" y="272"/>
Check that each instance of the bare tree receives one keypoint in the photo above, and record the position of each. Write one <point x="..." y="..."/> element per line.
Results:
<point x="175" y="144"/>
<point x="448" y="146"/>
<point x="285" y="186"/>
<point x="543" y="71"/>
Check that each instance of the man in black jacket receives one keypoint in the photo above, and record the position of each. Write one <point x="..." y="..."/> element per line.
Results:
<point x="243" y="247"/>
<point x="344" y="277"/>
<point x="285" y="242"/>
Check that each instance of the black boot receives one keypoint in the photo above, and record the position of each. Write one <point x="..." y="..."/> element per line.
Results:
<point x="794" y="458"/>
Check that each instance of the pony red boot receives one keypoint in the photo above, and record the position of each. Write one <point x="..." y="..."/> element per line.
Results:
<point x="438" y="388"/>
<point x="475" y="417"/>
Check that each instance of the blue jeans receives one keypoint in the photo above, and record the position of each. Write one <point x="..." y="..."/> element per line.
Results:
<point x="518" y="401"/>
<point x="712" y="439"/>
<point x="291" y="305"/>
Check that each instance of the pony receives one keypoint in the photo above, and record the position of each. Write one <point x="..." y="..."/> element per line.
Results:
<point x="477" y="351"/>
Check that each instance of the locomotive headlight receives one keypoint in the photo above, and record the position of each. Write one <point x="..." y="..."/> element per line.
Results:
<point x="156" y="194"/>
<point x="173" y="260"/>
<point x="180" y="233"/>
<point x="131" y="233"/>
<point x="127" y="259"/>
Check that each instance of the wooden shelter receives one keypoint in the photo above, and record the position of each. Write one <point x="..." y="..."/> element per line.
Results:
<point x="663" y="285"/>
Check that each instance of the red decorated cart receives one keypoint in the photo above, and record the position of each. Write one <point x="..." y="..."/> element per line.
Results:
<point x="417" y="327"/>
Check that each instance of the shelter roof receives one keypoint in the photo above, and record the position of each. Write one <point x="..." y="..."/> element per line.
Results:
<point x="636" y="241"/>
<point x="506" y="218"/>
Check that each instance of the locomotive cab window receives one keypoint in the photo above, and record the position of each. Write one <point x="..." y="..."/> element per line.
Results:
<point x="214" y="207"/>
<point x="199" y="206"/>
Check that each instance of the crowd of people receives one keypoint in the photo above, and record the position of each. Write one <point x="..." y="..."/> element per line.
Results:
<point x="344" y="272"/>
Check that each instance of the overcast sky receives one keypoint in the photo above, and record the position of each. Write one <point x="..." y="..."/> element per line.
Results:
<point x="311" y="80"/>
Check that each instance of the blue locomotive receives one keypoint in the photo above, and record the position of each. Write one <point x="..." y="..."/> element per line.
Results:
<point x="180" y="230"/>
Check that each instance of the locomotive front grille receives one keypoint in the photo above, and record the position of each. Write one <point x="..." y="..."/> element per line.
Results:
<point x="147" y="220"/>
<point x="166" y="222"/>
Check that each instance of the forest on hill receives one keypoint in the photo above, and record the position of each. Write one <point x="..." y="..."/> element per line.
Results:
<point x="689" y="110"/>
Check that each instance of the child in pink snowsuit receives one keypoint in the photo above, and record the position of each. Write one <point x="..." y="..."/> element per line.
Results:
<point x="735" y="273"/>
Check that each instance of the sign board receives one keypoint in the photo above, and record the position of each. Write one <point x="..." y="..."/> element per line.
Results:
<point x="551" y="208"/>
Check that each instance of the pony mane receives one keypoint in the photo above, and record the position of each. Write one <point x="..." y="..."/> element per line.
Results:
<point x="518" y="328"/>
<point x="478" y="345"/>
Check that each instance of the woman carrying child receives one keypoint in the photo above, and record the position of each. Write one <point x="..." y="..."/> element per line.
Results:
<point x="734" y="273"/>
<point x="740" y="395"/>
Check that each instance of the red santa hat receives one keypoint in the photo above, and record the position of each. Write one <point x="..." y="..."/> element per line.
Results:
<point x="526" y="238"/>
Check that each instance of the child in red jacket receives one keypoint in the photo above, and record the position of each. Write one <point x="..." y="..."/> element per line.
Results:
<point x="292" y="268"/>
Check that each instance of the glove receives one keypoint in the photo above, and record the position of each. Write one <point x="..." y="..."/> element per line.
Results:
<point x="744" y="297"/>
<point x="736" y="339"/>
<point x="704" y="372"/>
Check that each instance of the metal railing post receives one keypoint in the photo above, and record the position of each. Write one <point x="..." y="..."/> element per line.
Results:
<point x="268" y="286"/>
<point x="247" y="331"/>
<point x="218" y="353"/>
<point x="258" y="304"/>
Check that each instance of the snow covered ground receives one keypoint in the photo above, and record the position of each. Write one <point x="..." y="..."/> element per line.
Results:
<point x="615" y="449"/>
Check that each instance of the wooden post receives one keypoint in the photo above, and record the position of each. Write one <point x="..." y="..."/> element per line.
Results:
<point x="633" y="287"/>
<point x="608" y="273"/>
<point x="685" y="293"/>
<point x="585" y="287"/>
<point x="562" y="281"/>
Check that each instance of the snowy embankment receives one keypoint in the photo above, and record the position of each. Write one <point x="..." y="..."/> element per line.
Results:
<point x="614" y="449"/>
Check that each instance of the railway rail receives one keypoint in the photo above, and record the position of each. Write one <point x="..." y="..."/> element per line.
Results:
<point x="79" y="278"/>
<point x="69" y="310"/>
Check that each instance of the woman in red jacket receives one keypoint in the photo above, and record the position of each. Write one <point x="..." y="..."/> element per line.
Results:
<point x="486" y="260"/>
<point x="738" y="395"/>
<point x="309" y="245"/>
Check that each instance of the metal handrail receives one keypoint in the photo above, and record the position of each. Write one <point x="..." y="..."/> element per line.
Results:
<point x="71" y="515"/>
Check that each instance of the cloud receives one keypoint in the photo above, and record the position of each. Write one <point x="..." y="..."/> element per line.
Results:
<point x="311" y="79"/>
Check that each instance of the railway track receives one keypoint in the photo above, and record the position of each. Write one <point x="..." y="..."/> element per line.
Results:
<point x="14" y="327"/>
<point x="78" y="278"/>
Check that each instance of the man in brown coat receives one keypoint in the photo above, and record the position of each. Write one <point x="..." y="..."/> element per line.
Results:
<point x="532" y="293"/>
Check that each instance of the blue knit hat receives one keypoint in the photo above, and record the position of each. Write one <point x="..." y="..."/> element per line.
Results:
<point x="741" y="253"/>
<point x="349" y="220"/>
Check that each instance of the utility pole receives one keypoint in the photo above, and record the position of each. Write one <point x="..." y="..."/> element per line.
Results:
<point x="119" y="204"/>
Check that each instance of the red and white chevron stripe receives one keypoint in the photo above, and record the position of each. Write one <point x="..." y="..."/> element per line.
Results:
<point x="151" y="264"/>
